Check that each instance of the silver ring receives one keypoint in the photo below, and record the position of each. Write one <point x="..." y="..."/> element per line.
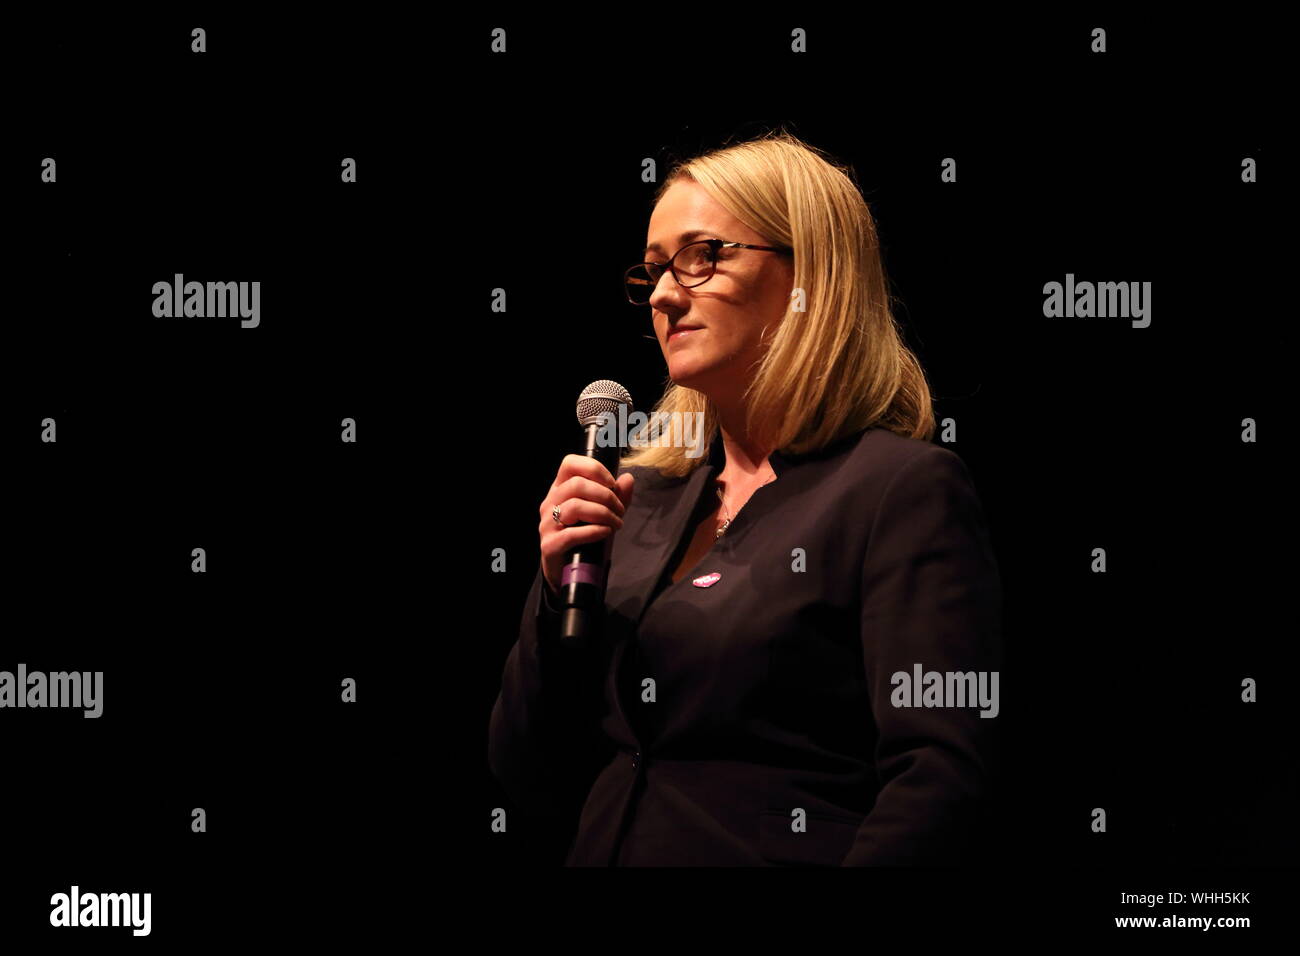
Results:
<point x="555" y="514"/>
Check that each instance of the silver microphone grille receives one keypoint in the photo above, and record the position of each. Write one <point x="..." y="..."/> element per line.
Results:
<point x="600" y="397"/>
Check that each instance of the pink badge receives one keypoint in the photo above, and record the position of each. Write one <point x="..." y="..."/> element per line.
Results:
<point x="708" y="580"/>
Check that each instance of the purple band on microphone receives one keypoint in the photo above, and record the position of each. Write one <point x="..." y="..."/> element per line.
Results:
<point x="583" y="573"/>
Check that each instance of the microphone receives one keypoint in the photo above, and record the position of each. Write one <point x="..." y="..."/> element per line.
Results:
<point x="582" y="582"/>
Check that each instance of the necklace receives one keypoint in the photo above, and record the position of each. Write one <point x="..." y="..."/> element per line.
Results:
<point x="727" y="515"/>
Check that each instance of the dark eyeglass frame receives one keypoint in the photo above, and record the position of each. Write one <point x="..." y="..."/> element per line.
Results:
<point x="714" y="244"/>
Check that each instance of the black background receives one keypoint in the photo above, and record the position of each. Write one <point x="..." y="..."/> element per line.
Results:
<point x="479" y="171"/>
<point x="221" y="690"/>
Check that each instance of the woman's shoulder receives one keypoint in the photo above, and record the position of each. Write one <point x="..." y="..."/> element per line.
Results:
<point x="880" y="446"/>
<point x="879" y="458"/>
<point x="880" y="451"/>
<point x="905" y="473"/>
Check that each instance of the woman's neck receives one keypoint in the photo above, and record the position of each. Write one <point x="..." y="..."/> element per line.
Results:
<point x="746" y="461"/>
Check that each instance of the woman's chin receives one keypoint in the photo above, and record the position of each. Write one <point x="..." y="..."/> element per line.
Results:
<point x="690" y="362"/>
<point x="686" y="374"/>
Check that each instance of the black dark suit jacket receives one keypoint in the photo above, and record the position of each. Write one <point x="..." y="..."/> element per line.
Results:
<point x="772" y="686"/>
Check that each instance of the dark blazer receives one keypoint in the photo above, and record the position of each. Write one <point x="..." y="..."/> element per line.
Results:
<point x="772" y="687"/>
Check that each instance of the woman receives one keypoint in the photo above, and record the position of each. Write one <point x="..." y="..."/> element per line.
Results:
<point x="769" y="603"/>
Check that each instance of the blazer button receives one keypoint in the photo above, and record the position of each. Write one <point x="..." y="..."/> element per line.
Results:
<point x="636" y="760"/>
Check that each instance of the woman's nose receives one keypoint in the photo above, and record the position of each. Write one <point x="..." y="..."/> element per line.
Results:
<point x="666" y="289"/>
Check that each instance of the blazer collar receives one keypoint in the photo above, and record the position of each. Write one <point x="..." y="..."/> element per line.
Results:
<point x="643" y="551"/>
<point x="670" y="504"/>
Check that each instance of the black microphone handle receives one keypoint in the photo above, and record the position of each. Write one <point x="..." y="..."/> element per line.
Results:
<point x="582" y="596"/>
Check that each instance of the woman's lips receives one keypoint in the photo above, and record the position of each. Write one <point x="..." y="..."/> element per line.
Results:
<point x="680" y="333"/>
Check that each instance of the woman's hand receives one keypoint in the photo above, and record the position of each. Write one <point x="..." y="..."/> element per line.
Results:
<point x="586" y="492"/>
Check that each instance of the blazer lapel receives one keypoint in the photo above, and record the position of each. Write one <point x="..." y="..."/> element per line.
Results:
<point x="642" y="548"/>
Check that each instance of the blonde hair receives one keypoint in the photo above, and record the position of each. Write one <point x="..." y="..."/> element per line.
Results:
<point x="827" y="372"/>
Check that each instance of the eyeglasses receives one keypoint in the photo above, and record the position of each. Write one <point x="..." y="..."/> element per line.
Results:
<point x="692" y="265"/>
